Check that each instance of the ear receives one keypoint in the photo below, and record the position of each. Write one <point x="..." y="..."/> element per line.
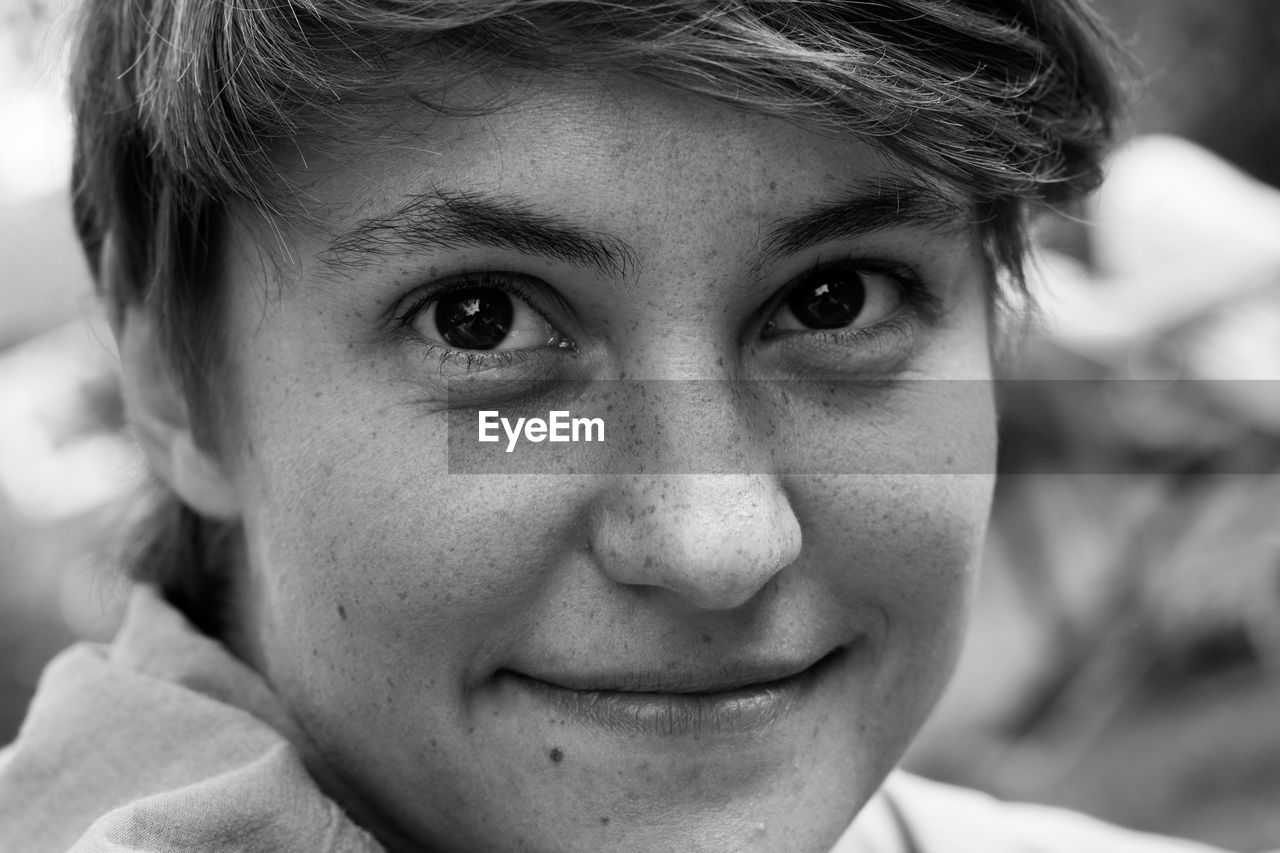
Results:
<point x="157" y="409"/>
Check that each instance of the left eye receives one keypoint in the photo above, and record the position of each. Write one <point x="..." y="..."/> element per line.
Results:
<point x="839" y="296"/>
<point x="484" y="318"/>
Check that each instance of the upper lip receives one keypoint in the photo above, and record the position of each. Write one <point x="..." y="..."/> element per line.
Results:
<point x="715" y="677"/>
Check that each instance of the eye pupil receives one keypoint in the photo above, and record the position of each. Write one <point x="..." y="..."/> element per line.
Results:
<point x="829" y="302"/>
<point x="474" y="317"/>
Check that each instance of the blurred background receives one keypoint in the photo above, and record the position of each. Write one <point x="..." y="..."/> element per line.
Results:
<point x="1125" y="651"/>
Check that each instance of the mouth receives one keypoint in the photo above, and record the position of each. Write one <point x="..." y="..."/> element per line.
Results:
<point x="743" y="699"/>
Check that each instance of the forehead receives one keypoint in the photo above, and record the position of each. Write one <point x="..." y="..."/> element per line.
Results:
<point x="639" y="159"/>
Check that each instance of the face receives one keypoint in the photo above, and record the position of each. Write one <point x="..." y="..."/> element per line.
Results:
<point x="724" y="660"/>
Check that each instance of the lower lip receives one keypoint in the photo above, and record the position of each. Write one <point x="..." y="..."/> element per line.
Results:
<point x="743" y="710"/>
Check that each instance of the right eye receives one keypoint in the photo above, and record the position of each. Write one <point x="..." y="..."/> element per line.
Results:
<point x="483" y="316"/>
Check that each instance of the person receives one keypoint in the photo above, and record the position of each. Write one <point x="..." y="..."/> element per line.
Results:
<point x="350" y="247"/>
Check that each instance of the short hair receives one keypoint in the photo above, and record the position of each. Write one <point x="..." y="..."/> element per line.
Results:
<point x="181" y="107"/>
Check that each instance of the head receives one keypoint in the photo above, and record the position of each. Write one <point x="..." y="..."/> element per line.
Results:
<point x="297" y="212"/>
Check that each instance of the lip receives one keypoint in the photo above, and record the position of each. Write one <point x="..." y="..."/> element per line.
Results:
<point x="742" y="699"/>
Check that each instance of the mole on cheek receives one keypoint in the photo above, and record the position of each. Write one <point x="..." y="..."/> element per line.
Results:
<point x="556" y="754"/>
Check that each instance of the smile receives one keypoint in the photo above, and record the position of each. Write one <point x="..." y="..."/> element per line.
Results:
<point x="674" y="705"/>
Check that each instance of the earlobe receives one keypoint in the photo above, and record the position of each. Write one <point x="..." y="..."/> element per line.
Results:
<point x="157" y="408"/>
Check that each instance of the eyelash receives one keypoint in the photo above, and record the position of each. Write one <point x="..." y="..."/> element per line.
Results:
<point x="921" y="300"/>
<point x="402" y="321"/>
<point x="915" y="293"/>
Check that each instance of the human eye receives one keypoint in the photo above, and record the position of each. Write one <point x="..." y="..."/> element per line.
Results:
<point x="482" y="319"/>
<point x="849" y="298"/>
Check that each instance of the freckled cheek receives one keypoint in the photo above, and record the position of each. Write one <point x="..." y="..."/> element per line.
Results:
<point x="896" y="554"/>
<point x="408" y="550"/>
<point x="907" y="544"/>
<point x="931" y="594"/>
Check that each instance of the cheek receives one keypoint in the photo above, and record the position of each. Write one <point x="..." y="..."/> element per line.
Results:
<point x="941" y="523"/>
<point x="359" y="543"/>
<point x="908" y="543"/>
<point x="905" y="547"/>
<point x="900" y="529"/>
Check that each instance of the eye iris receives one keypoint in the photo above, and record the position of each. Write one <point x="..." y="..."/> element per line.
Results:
<point x="474" y="317"/>
<point x="829" y="302"/>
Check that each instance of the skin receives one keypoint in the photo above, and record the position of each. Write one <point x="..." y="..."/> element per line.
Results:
<point x="388" y="600"/>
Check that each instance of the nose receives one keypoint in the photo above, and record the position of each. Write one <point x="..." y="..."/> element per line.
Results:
<point x="714" y="539"/>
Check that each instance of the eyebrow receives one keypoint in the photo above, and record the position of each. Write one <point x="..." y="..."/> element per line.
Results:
<point x="452" y="220"/>
<point x="890" y="205"/>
